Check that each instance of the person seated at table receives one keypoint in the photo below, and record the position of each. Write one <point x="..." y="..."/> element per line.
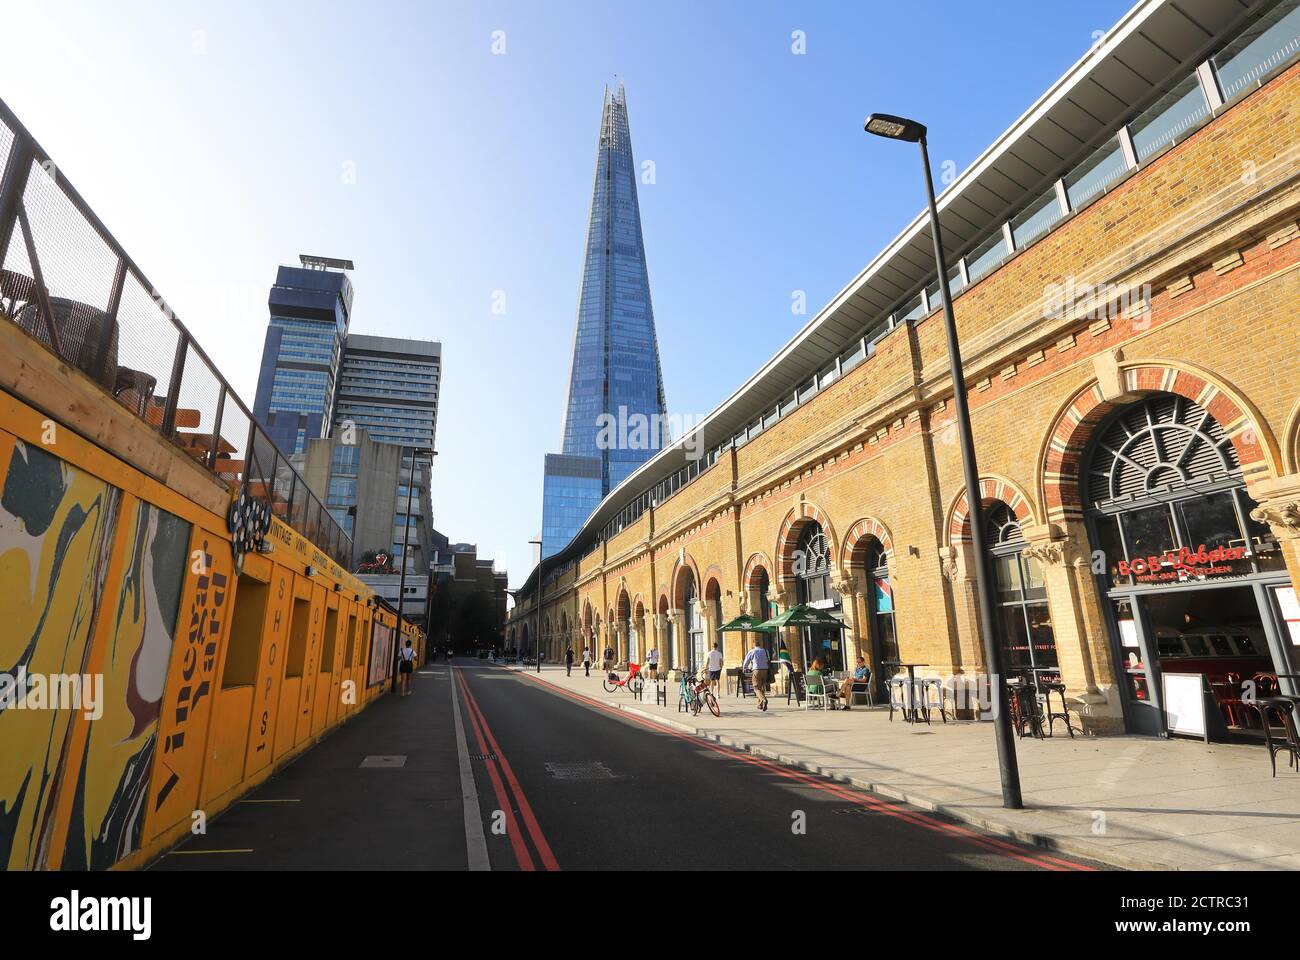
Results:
<point x="860" y="675"/>
<point x="815" y="679"/>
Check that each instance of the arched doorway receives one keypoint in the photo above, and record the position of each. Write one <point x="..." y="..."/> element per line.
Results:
<point x="881" y="625"/>
<point x="692" y="622"/>
<point x="1192" y="582"/>
<point x="634" y="631"/>
<point x="713" y="603"/>
<point x="761" y="588"/>
<point x="666" y="655"/>
<point x="812" y="576"/>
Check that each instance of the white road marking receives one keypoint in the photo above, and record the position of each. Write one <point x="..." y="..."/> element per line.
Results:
<point x="475" y="844"/>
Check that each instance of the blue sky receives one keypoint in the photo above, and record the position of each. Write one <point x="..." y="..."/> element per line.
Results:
<point x="218" y="140"/>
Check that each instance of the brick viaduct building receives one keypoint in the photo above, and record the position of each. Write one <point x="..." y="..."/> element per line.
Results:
<point x="1166" y="400"/>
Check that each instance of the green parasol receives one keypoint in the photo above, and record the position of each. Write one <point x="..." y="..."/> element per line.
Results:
<point x="801" y="615"/>
<point x="744" y="624"/>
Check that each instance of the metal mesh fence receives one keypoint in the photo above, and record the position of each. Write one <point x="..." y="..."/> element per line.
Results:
<point x="146" y="350"/>
<point x="196" y="430"/>
<point x="6" y="144"/>
<point x="235" y="425"/>
<point x="66" y="282"/>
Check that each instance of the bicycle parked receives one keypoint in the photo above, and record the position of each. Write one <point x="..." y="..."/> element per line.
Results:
<point x="634" y="683"/>
<point x="695" y="694"/>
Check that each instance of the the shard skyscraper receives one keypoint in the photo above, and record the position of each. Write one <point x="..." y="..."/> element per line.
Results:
<point x="615" y="413"/>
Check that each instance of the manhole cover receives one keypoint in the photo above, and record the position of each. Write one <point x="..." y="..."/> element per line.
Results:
<point x="591" y="770"/>
<point x="384" y="761"/>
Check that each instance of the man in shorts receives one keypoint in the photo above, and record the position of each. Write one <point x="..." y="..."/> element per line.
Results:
<point x="713" y="664"/>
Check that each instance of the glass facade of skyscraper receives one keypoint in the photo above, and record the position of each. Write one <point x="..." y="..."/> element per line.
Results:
<point x="310" y="308"/>
<point x="615" y="406"/>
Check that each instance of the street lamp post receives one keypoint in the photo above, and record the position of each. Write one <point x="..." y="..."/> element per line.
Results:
<point x="406" y="535"/>
<point x="537" y="602"/>
<point x="900" y="128"/>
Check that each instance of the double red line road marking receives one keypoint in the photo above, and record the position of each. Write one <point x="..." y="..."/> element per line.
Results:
<point x="876" y="804"/>
<point x="498" y="770"/>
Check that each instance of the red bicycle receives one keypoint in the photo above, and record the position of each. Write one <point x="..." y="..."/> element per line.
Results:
<point x="633" y="682"/>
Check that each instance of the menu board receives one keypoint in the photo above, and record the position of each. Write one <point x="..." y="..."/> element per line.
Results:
<point x="1184" y="704"/>
<point x="1290" y="607"/>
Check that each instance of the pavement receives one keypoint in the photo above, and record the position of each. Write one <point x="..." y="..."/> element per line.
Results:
<point x="1130" y="802"/>
<point x="327" y="811"/>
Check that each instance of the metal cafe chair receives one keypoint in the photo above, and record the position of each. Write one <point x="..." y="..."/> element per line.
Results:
<point x="1048" y="684"/>
<point x="819" y="692"/>
<point x="1284" y="708"/>
<point x="901" y="699"/>
<point x="935" y="686"/>
<point x="863" y="689"/>
<point x="1023" y="702"/>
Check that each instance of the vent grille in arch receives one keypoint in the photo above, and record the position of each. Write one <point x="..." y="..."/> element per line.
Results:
<point x="1160" y="444"/>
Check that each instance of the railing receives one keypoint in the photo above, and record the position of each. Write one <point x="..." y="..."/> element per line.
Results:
<point x="68" y="283"/>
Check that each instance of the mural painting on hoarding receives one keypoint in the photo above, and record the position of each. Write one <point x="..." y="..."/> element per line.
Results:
<point x="109" y="803"/>
<point x="191" y="683"/>
<point x="56" y="534"/>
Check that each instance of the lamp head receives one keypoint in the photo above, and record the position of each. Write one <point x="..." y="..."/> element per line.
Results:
<point x="894" y="128"/>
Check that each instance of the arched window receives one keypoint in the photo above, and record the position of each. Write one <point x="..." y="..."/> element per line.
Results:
<point x="691" y="622"/>
<point x="881" y="598"/>
<point x="812" y="566"/>
<point x="1163" y="475"/>
<point x="1028" y="640"/>
<point x="812" y="571"/>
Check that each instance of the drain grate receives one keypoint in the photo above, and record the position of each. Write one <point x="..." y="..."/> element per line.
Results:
<point x="590" y="770"/>
<point x="390" y="761"/>
<point x="482" y="756"/>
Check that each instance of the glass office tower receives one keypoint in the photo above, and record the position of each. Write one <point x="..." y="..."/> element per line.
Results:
<point x="614" y="416"/>
<point x="310" y="307"/>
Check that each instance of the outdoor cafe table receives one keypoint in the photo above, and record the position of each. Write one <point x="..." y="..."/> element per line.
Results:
<point x="909" y="707"/>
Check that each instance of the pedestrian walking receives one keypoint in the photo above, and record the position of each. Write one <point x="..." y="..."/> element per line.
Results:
<point x="756" y="660"/>
<point x="652" y="662"/>
<point x="713" y="664"/>
<point x="609" y="659"/>
<point x="568" y="661"/>
<point x="406" y="668"/>
<point x="586" y="661"/>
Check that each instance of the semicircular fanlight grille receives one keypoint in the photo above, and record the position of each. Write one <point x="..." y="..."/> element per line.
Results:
<point x="1160" y="444"/>
<point x="816" y="552"/>
<point x="1000" y="525"/>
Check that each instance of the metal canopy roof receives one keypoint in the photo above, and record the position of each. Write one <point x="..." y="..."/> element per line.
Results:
<point x="1156" y="43"/>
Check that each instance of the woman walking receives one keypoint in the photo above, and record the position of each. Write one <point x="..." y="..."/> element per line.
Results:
<point x="405" y="669"/>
